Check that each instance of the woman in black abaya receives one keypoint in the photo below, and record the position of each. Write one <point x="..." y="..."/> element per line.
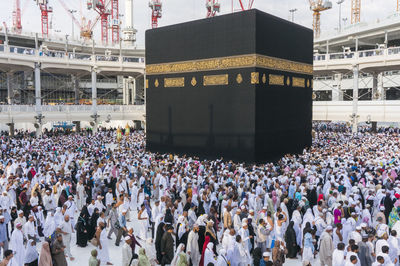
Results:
<point x="81" y="230"/>
<point x="93" y="224"/>
<point x="290" y="239"/>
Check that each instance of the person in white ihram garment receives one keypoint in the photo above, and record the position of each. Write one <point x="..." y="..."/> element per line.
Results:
<point x="143" y="218"/>
<point x="17" y="244"/>
<point x="192" y="247"/>
<point x="209" y="256"/>
<point x="66" y="230"/>
<point x="126" y="252"/>
<point x="102" y="247"/>
<point x="80" y="195"/>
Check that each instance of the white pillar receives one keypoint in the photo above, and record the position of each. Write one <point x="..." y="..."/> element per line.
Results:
<point x="337" y="94"/>
<point x="38" y="100"/>
<point x="94" y="99"/>
<point x="355" y="99"/>
<point x="9" y="88"/>
<point x="129" y="30"/>
<point x="75" y="85"/>
<point x="374" y="95"/>
<point x="381" y="89"/>
<point x="124" y="85"/>
<point x="133" y="90"/>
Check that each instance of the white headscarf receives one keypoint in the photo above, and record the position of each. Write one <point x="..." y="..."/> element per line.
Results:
<point x="58" y="216"/>
<point x="201" y="221"/>
<point x="31" y="253"/>
<point x="179" y="250"/>
<point x="49" y="225"/>
<point x="209" y="254"/>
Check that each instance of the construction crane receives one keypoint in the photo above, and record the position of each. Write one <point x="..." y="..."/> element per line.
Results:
<point x="45" y="9"/>
<point x="17" y="26"/>
<point x="317" y="6"/>
<point x="115" y="23"/>
<point x="212" y="7"/>
<point x="156" y="12"/>
<point x="355" y="11"/>
<point x="243" y="6"/>
<point x="100" y="6"/>
<point x="85" y="27"/>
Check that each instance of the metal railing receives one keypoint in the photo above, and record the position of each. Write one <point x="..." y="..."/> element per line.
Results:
<point x="356" y="55"/>
<point x="22" y="50"/>
<point x="71" y="56"/>
<point x="395" y="50"/>
<point x="72" y="108"/>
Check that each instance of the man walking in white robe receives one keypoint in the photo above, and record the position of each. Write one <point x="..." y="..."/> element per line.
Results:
<point x="192" y="248"/>
<point x="326" y="247"/>
<point x="66" y="230"/>
<point x="17" y="244"/>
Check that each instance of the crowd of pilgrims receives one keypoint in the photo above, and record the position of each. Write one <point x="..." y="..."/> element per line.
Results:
<point x="338" y="203"/>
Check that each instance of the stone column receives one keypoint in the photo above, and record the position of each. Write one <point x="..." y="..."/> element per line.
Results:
<point x="355" y="99"/>
<point x="9" y="88"/>
<point x="94" y="99"/>
<point x="75" y="86"/>
<point x="38" y="101"/>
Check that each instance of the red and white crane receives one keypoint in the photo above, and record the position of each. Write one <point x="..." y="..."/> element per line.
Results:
<point x="17" y="25"/>
<point x="45" y="9"/>
<point x="212" y="7"/>
<point x="100" y="6"/>
<point x="243" y="4"/>
<point x="115" y="23"/>
<point x="156" y="12"/>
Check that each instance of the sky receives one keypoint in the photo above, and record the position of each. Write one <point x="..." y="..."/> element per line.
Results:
<point x="177" y="11"/>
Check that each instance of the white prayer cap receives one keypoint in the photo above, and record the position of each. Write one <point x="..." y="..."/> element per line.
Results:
<point x="267" y="254"/>
<point x="123" y="211"/>
<point x="127" y="238"/>
<point x="19" y="212"/>
<point x="1" y="217"/>
<point x="363" y="225"/>
<point x="329" y="228"/>
<point x="358" y="228"/>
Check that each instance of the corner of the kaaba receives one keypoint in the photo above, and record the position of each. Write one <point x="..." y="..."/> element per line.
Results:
<point x="283" y="114"/>
<point x="222" y="87"/>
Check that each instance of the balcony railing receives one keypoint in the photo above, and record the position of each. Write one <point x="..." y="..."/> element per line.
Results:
<point x="72" y="108"/>
<point x="70" y="56"/>
<point x="357" y="55"/>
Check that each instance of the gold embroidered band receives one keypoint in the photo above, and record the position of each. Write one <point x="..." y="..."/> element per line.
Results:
<point x="230" y="62"/>
<point x="215" y="80"/>
<point x="174" y="82"/>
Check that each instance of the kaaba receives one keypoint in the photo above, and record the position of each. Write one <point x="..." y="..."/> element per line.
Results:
<point x="237" y="86"/>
